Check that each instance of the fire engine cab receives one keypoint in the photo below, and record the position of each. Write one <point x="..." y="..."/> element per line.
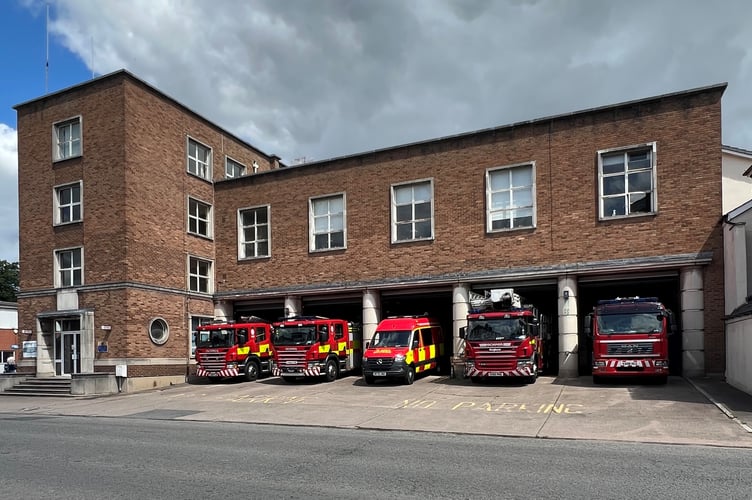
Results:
<point x="229" y="349"/>
<point x="312" y="346"/>
<point x="503" y="338"/>
<point x="403" y="346"/>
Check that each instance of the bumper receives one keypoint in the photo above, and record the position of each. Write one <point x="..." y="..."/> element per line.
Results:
<point x="395" y="370"/>
<point x="229" y="372"/>
<point x="297" y="371"/>
<point x="630" y="367"/>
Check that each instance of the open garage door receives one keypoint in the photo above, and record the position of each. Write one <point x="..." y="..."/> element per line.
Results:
<point x="268" y="310"/>
<point x="664" y="286"/>
<point x="436" y="303"/>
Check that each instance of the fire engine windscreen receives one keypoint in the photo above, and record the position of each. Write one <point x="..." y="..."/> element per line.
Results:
<point x="630" y="323"/>
<point x="495" y="329"/>
<point x="394" y="338"/>
<point x="294" y="335"/>
<point x="216" y="338"/>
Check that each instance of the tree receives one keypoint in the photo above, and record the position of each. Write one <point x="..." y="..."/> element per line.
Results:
<point x="8" y="280"/>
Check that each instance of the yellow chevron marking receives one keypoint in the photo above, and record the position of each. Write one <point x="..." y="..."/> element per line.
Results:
<point x="244" y="350"/>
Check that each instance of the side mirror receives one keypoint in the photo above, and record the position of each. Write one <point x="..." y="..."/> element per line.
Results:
<point x="463" y="330"/>
<point x="587" y="326"/>
<point x="416" y="343"/>
<point x="368" y="344"/>
<point x="324" y="337"/>
<point x="242" y="339"/>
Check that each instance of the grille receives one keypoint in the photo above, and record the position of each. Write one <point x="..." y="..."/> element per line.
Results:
<point x="291" y="358"/>
<point x="631" y="348"/>
<point x="213" y="361"/>
<point x="497" y="358"/>
<point x="379" y="363"/>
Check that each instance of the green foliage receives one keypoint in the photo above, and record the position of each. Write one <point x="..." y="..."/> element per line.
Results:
<point x="8" y="281"/>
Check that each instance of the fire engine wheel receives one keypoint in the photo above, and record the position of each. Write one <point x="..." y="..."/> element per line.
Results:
<point x="332" y="371"/>
<point x="410" y="375"/>
<point x="251" y="371"/>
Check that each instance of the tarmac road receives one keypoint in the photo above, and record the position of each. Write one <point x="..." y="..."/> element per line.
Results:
<point x="680" y="412"/>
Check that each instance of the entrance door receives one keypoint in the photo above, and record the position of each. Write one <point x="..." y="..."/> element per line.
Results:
<point x="67" y="347"/>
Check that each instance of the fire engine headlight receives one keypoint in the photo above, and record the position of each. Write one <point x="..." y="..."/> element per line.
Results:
<point x="524" y="363"/>
<point x="662" y="364"/>
<point x="399" y="358"/>
<point x="232" y="365"/>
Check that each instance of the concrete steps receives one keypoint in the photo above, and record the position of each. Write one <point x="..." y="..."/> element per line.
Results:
<point x="49" y="387"/>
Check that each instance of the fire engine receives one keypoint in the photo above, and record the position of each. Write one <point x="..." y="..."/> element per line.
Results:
<point x="503" y="338"/>
<point x="312" y="346"/>
<point x="230" y="349"/>
<point x="403" y="346"/>
<point x="630" y="338"/>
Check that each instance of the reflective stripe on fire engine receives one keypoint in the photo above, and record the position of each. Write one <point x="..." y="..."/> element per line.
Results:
<point x="324" y="348"/>
<point x="263" y="349"/>
<point x="519" y="372"/>
<point x="244" y="350"/>
<point x="308" y="372"/>
<point x="200" y="372"/>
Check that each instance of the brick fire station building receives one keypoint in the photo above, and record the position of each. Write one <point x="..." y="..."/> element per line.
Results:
<point x="140" y="219"/>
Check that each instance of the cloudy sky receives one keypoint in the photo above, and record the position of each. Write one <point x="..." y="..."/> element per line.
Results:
<point x="315" y="79"/>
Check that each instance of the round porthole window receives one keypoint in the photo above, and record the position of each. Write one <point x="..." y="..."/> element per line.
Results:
<point x="159" y="332"/>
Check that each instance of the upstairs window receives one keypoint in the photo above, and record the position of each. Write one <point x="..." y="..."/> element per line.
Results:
<point x="68" y="203"/>
<point x="233" y="169"/>
<point x="412" y="211"/>
<point x="199" y="159"/>
<point x="69" y="267"/>
<point x="627" y="182"/>
<point x="200" y="275"/>
<point x="199" y="218"/>
<point x="510" y="198"/>
<point x="253" y="232"/>
<point x="327" y="222"/>
<point x="67" y="139"/>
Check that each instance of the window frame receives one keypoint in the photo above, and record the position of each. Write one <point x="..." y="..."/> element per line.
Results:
<point x="312" y="223"/>
<point x="58" y="206"/>
<point x="393" y="210"/>
<point x="209" y="220"/>
<point x="208" y="278"/>
<point x="240" y="166"/>
<point x="490" y="211"/>
<point x="166" y="329"/>
<point x="240" y="235"/>
<point x="59" y="125"/>
<point x="196" y="321"/>
<point x="58" y="269"/>
<point x="651" y="148"/>
<point x="197" y="161"/>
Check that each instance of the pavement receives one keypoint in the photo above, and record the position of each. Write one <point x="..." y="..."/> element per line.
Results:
<point x="698" y="411"/>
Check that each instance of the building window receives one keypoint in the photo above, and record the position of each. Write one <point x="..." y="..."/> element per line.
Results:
<point x="199" y="218"/>
<point x="253" y="233"/>
<point x="200" y="275"/>
<point x="199" y="159"/>
<point x="412" y="211"/>
<point x="627" y="182"/>
<point x="67" y="139"/>
<point x="68" y="203"/>
<point x="197" y="321"/>
<point x="69" y="267"/>
<point x="233" y="169"/>
<point x="327" y="222"/>
<point x="510" y="198"/>
<point x="159" y="332"/>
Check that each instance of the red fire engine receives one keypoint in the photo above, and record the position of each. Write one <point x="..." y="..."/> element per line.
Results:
<point x="630" y="338"/>
<point x="234" y="349"/>
<point x="503" y="338"/>
<point x="312" y="346"/>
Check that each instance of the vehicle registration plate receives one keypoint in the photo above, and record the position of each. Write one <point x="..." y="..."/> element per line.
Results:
<point x="379" y="374"/>
<point x="495" y="374"/>
<point x="630" y="364"/>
